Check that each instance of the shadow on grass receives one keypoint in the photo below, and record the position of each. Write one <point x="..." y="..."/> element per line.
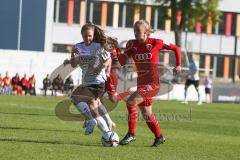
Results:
<point x="47" y="142"/>
<point x="27" y="114"/>
<point x="53" y="142"/>
<point x="36" y="129"/>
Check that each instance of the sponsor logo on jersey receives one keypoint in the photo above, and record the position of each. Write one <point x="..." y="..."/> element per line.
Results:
<point x="143" y="56"/>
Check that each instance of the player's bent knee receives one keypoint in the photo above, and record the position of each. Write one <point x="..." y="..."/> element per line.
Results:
<point x="146" y="116"/>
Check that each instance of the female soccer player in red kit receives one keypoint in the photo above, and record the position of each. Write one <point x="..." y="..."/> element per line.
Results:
<point x="112" y="80"/>
<point x="145" y="54"/>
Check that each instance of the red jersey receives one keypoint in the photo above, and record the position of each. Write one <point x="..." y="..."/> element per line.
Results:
<point x="24" y="81"/>
<point x="146" y="58"/>
<point x="6" y="81"/>
<point x="112" y="80"/>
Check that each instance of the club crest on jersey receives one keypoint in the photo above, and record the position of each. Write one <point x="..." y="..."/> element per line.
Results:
<point x="149" y="47"/>
<point x="129" y="45"/>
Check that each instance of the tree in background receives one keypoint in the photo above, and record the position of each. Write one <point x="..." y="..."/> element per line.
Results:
<point x="192" y="11"/>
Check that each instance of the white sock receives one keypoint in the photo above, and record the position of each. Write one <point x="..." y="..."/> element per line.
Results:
<point x="104" y="114"/>
<point x="84" y="108"/>
<point x="185" y="95"/>
<point x="102" y="125"/>
<point x="199" y="97"/>
<point x="208" y="98"/>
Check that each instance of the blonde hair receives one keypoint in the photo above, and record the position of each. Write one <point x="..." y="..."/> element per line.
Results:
<point x="146" y="24"/>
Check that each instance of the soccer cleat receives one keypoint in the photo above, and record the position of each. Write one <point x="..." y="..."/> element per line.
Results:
<point x="90" y="124"/>
<point x="127" y="139"/>
<point x="158" y="141"/>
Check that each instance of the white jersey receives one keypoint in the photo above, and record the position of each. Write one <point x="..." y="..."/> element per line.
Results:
<point x="193" y="72"/>
<point x="91" y="59"/>
<point x="208" y="83"/>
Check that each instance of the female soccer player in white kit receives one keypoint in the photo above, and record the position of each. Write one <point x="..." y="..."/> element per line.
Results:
<point x="95" y="61"/>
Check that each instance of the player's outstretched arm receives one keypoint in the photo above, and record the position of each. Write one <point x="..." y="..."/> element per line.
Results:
<point x="177" y="52"/>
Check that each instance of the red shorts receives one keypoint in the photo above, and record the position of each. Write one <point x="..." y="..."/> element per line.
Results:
<point x="112" y="82"/>
<point x="147" y="92"/>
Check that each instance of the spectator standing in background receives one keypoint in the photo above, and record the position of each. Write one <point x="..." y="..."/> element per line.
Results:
<point x="46" y="84"/>
<point x="57" y="84"/>
<point x="68" y="85"/>
<point x="208" y="88"/>
<point x="32" y="85"/>
<point x="24" y="84"/>
<point x="7" y="88"/>
<point x="16" y="84"/>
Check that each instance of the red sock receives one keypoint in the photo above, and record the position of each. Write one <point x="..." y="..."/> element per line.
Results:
<point x="132" y="118"/>
<point x="153" y="125"/>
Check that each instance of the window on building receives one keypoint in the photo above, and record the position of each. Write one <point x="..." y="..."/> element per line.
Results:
<point x="220" y="62"/>
<point x="202" y="60"/>
<point x="120" y="17"/>
<point x="216" y="28"/>
<point x="76" y="11"/>
<point x="61" y="48"/>
<point x="63" y="6"/>
<point x="110" y="14"/>
<point x="231" y="66"/>
<point x="161" y="56"/>
<point x="130" y="15"/>
<point x="142" y="12"/>
<point x="88" y="10"/>
<point x="234" y="23"/>
<point x="172" y="59"/>
<point x="97" y="12"/>
<point x="212" y="61"/>
<point x="152" y="17"/>
<point x="222" y="23"/>
<point x="162" y="16"/>
<point x="55" y="10"/>
<point x="204" y="28"/>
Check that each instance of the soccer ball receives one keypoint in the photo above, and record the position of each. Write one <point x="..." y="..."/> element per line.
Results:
<point x="110" y="139"/>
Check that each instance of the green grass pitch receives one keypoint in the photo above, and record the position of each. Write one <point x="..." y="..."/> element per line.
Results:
<point x="30" y="130"/>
